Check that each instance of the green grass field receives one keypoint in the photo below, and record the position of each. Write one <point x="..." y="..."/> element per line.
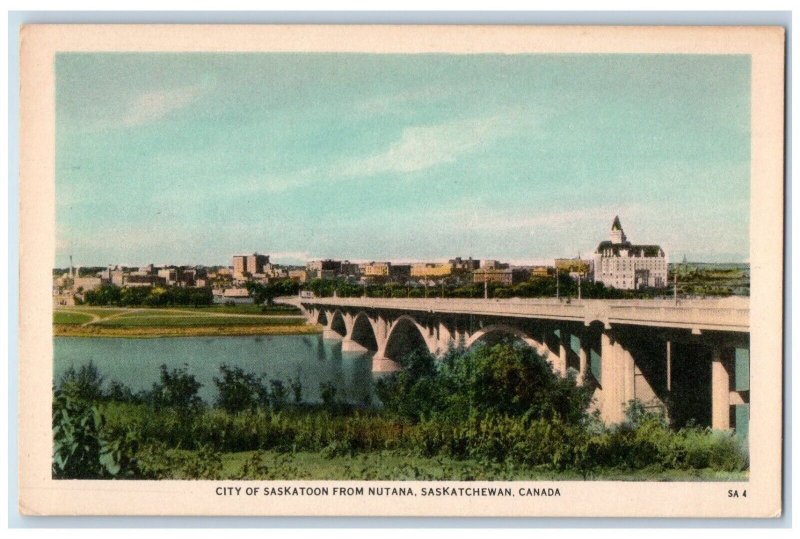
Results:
<point x="177" y="321"/>
<point x="195" y="320"/>
<point x="71" y="318"/>
<point x="245" y="309"/>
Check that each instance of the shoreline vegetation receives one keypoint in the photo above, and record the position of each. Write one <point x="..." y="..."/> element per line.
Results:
<point x="202" y="331"/>
<point x="488" y="413"/>
<point x="149" y="322"/>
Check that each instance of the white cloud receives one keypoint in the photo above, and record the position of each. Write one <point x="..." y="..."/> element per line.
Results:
<point x="538" y="219"/>
<point x="422" y="147"/>
<point x="397" y="103"/>
<point x="153" y="106"/>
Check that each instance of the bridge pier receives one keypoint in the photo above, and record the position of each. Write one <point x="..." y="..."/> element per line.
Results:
<point x="349" y="345"/>
<point x="382" y="364"/>
<point x="328" y="333"/>
<point x="720" y="391"/>
<point x="583" y="361"/>
<point x="561" y="369"/>
<point x="618" y="379"/>
<point x="693" y="358"/>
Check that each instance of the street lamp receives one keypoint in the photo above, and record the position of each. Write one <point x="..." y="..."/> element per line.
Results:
<point x="558" y="291"/>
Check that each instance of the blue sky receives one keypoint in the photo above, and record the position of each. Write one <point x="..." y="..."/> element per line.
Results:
<point x="189" y="158"/>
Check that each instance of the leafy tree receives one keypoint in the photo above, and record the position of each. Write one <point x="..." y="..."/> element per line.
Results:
<point x="503" y="379"/>
<point x="85" y="383"/>
<point x="177" y="389"/>
<point x="239" y="390"/>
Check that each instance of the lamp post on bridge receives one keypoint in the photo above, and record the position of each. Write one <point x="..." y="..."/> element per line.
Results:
<point x="558" y="292"/>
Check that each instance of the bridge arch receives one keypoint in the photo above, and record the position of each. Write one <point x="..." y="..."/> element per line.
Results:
<point x="491" y="333"/>
<point x="337" y="324"/>
<point x="321" y="318"/>
<point x="405" y="336"/>
<point x="363" y="332"/>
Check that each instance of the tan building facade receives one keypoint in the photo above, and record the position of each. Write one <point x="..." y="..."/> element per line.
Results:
<point x="620" y="264"/>
<point x="431" y="270"/>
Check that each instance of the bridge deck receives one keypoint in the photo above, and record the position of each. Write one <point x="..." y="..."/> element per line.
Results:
<point x="728" y="314"/>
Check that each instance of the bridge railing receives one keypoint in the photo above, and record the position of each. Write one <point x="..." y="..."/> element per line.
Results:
<point x="685" y="315"/>
<point x="726" y="313"/>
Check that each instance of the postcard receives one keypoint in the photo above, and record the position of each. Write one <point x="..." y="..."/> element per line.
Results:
<point x="401" y="270"/>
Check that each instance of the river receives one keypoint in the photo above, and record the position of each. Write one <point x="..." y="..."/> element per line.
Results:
<point x="309" y="358"/>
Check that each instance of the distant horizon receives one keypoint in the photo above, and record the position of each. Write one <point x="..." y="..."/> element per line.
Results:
<point x="359" y="261"/>
<point x="523" y="157"/>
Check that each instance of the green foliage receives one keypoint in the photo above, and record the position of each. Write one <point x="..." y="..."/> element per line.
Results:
<point x="500" y="407"/>
<point x="84" y="384"/>
<point x="503" y="380"/>
<point x="83" y="448"/>
<point x="239" y="390"/>
<point x="176" y="389"/>
<point x="159" y="296"/>
<point x="157" y="461"/>
<point x="297" y="390"/>
<point x="266" y="292"/>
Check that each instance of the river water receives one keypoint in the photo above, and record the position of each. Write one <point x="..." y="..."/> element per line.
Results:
<point x="309" y="358"/>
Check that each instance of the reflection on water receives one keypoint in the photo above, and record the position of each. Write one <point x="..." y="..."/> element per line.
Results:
<point x="309" y="358"/>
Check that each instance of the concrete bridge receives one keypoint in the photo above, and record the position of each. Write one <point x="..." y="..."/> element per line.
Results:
<point x="690" y="358"/>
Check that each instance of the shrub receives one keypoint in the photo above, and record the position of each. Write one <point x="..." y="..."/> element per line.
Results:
<point x="84" y="384"/>
<point x="502" y="380"/>
<point x="176" y="389"/>
<point x="239" y="390"/>
<point x="83" y="448"/>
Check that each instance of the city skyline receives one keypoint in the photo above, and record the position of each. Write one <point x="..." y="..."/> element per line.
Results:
<point x="523" y="158"/>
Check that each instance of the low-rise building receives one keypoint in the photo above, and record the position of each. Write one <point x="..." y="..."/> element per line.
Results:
<point x="492" y="265"/>
<point x="299" y="275"/>
<point x="324" y="269"/>
<point x="170" y="275"/>
<point x="144" y="281"/>
<point x="231" y="295"/>
<point x="85" y="284"/>
<point x="460" y="265"/>
<point x="543" y="271"/>
<point x="574" y="267"/>
<point x="506" y="276"/>
<point x="431" y="270"/>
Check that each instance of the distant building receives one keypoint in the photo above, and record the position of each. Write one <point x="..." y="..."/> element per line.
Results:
<point x="140" y="281"/>
<point x="385" y="272"/>
<point x="299" y="275"/>
<point x="431" y="270"/>
<point x="373" y="270"/>
<point x="574" y="267"/>
<point x="620" y="264"/>
<point x="246" y="265"/>
<point x="170" y="275"/>
<point x="85" y="284"/>
<point x="506" y="276"/>
<point x="543" y="271"/>
<point x="492" y="264"/>
<point x="231" y="295"/>
<point x="461" y="265"/>
<point x="324" y="269"/>
<point x="116" y="277"/>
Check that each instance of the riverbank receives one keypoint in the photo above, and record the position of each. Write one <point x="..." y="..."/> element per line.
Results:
<point x="145" y="322"/>
<point x="65" y="330"/>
